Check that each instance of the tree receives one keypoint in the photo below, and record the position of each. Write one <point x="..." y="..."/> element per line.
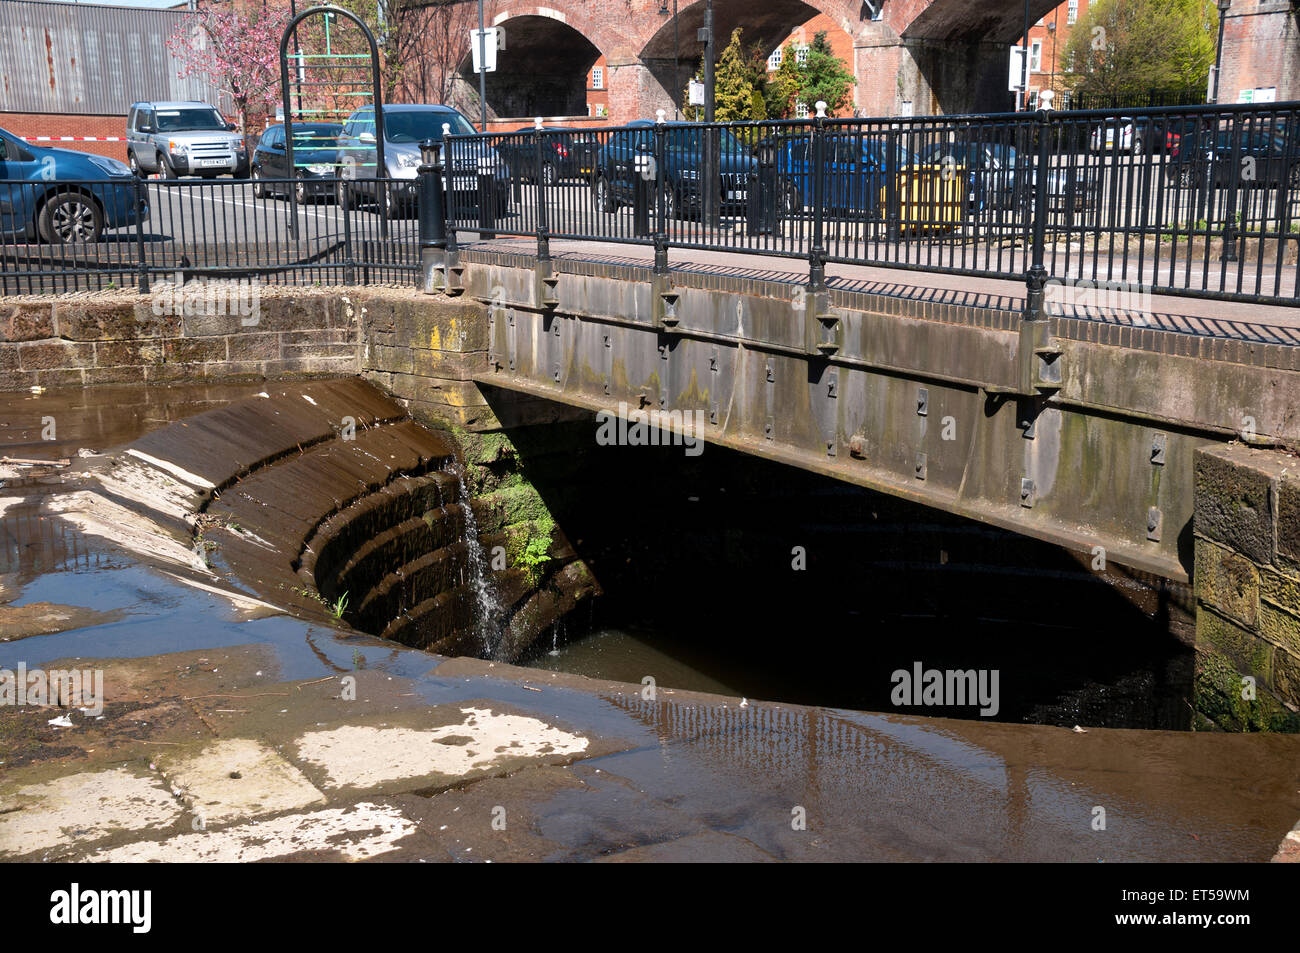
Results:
<point x="1128" y="48"/>
<point x="785" y="86"/>
<point x="825" y="78"/>
<point x="235" y="49"/>
<point x="735" y="98"/>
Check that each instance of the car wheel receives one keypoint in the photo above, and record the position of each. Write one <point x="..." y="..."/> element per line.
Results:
<point x="299" y="189"/>
<point x="1137" y="145"/>
<point x="604" y="195"/>
<point x="791" y="203"/>
<point x="165" y="167"/>
<point x="70" y="218"/>
<point x="134" y="163"/>
<point x="670" y="205"/>
<point x="259" y="187"/>
<point x="1185" y="177"/>
<point x="343" y="195"/>
<point x="549" y="175"/>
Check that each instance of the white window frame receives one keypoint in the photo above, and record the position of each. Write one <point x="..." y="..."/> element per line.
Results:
<point x="800" y="110"/>
<point x="1072" y="13"/>
<point x="1035" y="56"/>
<point x="598" y="77"/>
<point x="801" y="55"/>
<point x="774" y="59"/>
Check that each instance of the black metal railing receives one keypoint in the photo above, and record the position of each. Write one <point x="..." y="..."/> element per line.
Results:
<point x="61" y="236"/>
<point x="1190" y="200"/>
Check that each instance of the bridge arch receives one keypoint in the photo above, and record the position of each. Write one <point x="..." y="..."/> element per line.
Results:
<point x="543" y="71"/>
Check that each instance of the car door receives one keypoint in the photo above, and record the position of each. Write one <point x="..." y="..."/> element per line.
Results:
<point x="17" y="200"/>
<point x="262" y="155"/>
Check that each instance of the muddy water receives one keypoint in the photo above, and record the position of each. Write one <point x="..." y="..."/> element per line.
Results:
<point x="727" y="573"/>
<point x="56" y="423"/>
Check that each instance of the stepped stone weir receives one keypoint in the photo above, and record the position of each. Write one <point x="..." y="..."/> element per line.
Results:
<point x="326" y="497"/>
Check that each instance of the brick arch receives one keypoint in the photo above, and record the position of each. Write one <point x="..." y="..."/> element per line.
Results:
<point x="544" y="68"/>
<point x="985" y="21"/>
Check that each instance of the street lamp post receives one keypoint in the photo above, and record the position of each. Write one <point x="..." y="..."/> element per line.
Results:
<point x="677" y="55"/>
<point x="712" y="178"/>
<point x="1024" y="63"/>
<point x="1224" y="5"/>
<point x="482" y="66"/>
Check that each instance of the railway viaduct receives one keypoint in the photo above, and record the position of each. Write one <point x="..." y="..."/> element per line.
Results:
<point x="941" y="56"/>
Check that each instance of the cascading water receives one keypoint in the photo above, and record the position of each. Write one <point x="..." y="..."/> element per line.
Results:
<point x="487" y="619"/>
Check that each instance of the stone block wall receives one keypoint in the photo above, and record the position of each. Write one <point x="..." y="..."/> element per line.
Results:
<point x="98" y="339"/>
<point x="1247" y="579"/>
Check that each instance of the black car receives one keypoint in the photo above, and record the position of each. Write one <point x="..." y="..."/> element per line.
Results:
<point x="624" y="156"/>
<point x="566" y="154"/>
<point x="316" y="159"/>
<point x="1247" y="155"/>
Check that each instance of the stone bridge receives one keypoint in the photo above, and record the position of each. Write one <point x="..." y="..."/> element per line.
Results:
<point x="942" y="56"/>
<point x="1141" y="447"/>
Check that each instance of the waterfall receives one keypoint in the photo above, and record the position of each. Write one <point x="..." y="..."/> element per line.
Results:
<point x="487" y="617"/>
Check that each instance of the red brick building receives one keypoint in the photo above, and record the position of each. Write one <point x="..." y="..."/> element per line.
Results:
<point x="801" y="37"/>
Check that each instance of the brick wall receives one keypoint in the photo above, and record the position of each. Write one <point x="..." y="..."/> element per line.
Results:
<point x="105" y="340"/>
<point x="1261" y="49"/>
<point x="41" y="124"/>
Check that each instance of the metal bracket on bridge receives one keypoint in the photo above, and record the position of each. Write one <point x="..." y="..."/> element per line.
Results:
<point x="1039" y="358"/>
<point x="823" y="325"/>
<point x="664" y="302"/>
<point x="443" y="272"/>
<point x="544" y="292"/>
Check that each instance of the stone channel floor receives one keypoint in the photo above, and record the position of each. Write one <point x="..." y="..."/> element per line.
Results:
<point x="232" y="730"/>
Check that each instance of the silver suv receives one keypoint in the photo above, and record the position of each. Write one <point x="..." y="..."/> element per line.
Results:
<point x="183" y="138"/>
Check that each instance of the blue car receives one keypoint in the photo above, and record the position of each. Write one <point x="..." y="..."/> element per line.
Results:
<point x="62" y="197"/>
<point x="855" y="172"/>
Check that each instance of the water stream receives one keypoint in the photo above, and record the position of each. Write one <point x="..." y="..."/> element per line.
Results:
<point x="488" y="609"/>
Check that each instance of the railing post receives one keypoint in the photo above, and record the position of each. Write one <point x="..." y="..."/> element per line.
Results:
<point x="665" y="298"/>
<point x="661" y="217"/>
<point x="1039" y="361"/>
<point x="433" y="218"/>
<point x="893" y="169"/>
<point x="546" y="280"/>
<point x="823" y="329"/>
<point x="1229" y="251"/>
<point x="817" y="255"/>
<point x="140" y="204"/>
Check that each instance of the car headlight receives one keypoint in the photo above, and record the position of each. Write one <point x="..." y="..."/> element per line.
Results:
<point x="111" y="166"/>
<point x="407" y="161"/>
<point x="179" y="148"/>
<point x="320" y="168"/>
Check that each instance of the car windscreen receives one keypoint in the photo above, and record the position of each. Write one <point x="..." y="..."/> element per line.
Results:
<point x="415" y="127"/>
<point x="189" y="120"/>
<point x="316" y="136"/>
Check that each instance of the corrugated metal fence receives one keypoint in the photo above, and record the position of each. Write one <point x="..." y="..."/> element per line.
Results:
<point x="89" y="60"/>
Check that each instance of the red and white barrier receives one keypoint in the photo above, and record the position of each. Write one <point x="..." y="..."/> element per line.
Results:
<point x="73" y="138"/>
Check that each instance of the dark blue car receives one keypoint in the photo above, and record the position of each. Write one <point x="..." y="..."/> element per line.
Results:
<point x="684" y="148"/>
<point x="62" y="197"/>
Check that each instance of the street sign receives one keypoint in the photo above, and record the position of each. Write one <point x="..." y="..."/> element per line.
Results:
<point x="695" y="96"/>
<point x="1016" y="70"/>
<point x="495" y="39"/>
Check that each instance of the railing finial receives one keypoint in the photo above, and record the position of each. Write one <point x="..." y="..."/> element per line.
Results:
<point x="661" y="113"/>
<point x="821" y="109"/>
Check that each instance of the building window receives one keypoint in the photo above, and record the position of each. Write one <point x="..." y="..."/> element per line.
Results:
<point x="774" y="61"/>
<point x="800" y="110"/>
<point x="598" y="78"/>
<point x="1036" y="56"/>
<point x="801" y="55"/>
<point x="1069" y="61"/>
<point x="1072" y="12"/>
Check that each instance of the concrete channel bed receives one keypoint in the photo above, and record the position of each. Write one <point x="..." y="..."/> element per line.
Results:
<point x="240" y="721"/>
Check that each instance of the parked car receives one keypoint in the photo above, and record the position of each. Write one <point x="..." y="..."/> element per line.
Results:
<point x="1246" y="155"/>
<point x="991" y="167"/>
<point x="316" y="159"/>
<point x="1142" y="135"/>
<point x="684" y="161"/>
<point x="62" y="197"/>
<point x="183" y="138"/>
<point x="566" y="154"/>
<point x="405" y="127"/>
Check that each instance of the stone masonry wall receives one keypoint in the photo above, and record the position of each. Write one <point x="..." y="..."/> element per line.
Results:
<point x="1247" y="577"/>
<point x="99" y="339"/>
